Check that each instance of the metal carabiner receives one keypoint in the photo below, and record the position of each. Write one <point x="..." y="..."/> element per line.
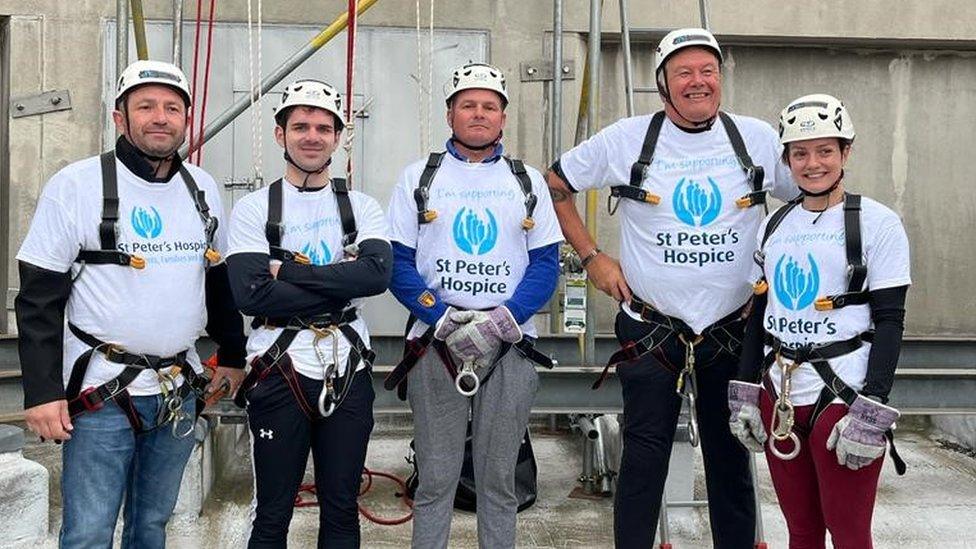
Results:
<point x="467" y="372"/>
<point x="784" y="416"/>
<point x="687" y="387"/>
<point x="329" y="371"/>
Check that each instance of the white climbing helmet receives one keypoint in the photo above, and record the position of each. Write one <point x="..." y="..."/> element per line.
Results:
<point x="477" y="76"/>
<point x="813" y="117"/>
<point x="684" y="38"/>
<point x="153" y="72"/>
<point x="311" y="93"/>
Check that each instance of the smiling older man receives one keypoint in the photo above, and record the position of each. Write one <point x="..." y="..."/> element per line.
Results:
<point x="691" y="196"/>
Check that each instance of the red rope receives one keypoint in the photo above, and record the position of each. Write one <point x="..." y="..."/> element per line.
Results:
<point x="367" y="484"/>
<point x="350" y="64"/>
<point x="196" y="60"/>
<point x="206" y="79"/>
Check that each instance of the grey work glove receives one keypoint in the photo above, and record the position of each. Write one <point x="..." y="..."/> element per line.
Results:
<point x="477" y="340"/>
<point x="745" y="420"/>
<point x="859" y="437"/>
<point x="451" y="320"/>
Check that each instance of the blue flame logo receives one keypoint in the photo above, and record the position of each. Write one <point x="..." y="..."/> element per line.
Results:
<point x="694" y="205"/>
<point x="796" y="287"/>
<point x="147" y="224"/>
<point x="474" y="235"/>
<point x="318" y="254"/>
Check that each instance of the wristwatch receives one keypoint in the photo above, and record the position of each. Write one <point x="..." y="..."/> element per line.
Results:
<point x="585" y="260"/>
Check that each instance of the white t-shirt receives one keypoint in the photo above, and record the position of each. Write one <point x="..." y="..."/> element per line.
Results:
<point x="474" y="254"/>
<point x="312" y="226"/>
<point x="806" y="261"/>
<point x="689" y="256"/>
<point x="159" y="310"/>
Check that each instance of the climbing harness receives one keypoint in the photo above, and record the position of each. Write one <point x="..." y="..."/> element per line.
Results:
<point x="167" y="369"/>
<point x="108" y="230"/>
<point x="329" y="325"/>
<point x="857" y="271"/>
<point x="466" y="381"/>
<point x="634" y="191"/>
<point x="421" y="194"/>
<point x="663" y="327"/>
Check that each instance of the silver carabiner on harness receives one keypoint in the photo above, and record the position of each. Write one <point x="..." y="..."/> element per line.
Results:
<point x="327" y="398"/>
<point x="172" y="409"/>
<point x="784" y="416"/>
<point x="467" y="373"/>
<point x="687" y="386"/>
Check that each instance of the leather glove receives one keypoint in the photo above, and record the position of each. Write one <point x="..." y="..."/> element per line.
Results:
<point x="451" y="321"/>
<point x="746" y="421"/>
<point x="859" y="437"/>
<point x="479" y="339"/>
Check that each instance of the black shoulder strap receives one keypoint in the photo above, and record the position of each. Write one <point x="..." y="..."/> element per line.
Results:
<point x="421" y="195"/>
<point x="346" y="215"/>
<point x="777" y="218"/>
<point x="755" y="174"/>
<point x="272" y="228"/>
<point x="108" y="252"/>
<point x="647" y="149"/>
<point x="525" y="182"/>
<point x="110" y="202"/>
<point x="852" y="242"/>
<point x="203" y="210"/>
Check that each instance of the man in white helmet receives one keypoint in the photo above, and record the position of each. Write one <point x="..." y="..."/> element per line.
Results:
<point x="304" y="252"/>
<point x="691" y="195"/>
<point x="126" y="247"/>
<point x="475" y="245"/>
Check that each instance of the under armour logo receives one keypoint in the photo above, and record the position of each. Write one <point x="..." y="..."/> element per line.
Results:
<point x="266" y="433"/>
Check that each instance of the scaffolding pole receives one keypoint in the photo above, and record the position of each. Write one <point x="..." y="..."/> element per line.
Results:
<point x="279" y="74"/>
<point x="178" y="33"/>
<point x="593" y="67"/>
<point x="121" y="36"/>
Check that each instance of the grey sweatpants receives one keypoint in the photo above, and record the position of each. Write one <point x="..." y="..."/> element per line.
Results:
<point x="500" y="414"/>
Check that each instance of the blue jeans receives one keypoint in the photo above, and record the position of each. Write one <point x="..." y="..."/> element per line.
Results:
<point x="105" y="460"/>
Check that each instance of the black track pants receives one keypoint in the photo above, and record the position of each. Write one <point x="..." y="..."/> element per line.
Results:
<point x="282" y="435"/>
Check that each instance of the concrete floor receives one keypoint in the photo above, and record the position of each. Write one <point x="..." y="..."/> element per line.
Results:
<point x="934" y="505"/>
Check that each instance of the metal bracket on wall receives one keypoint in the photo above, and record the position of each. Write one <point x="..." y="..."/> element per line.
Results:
<point x="30" y="105"/>
<point x="540" y="70"/>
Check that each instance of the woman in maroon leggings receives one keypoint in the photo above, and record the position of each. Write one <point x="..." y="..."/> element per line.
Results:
<point x="823" y="341"/>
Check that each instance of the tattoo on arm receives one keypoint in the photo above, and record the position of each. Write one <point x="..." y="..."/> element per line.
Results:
<point x="558" y="195"/>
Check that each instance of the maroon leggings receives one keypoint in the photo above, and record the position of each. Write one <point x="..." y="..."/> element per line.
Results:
<point x="815" y="493"/>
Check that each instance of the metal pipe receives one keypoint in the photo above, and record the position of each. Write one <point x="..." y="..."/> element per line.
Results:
<point x="703" y="8"/>
<point x="556" y="127"/>
<point x="628" y="67"/>
<point x="4" y="169"/>
<point x="593" y="61"/>
<point x="178" y="33"/>
<point x="279" y="74"/>
<point x="602" y="469"/>
<point x="121" y="36"/>
<point x="557" y="79"/>
<point x="587" y="428"/>
<point x="139" y="29"/>
<point x="587" y="478"/>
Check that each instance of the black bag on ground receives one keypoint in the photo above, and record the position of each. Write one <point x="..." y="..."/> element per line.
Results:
<point x="465" y="499"/>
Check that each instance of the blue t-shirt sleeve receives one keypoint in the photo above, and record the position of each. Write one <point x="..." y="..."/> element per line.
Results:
<point x="408" y="286"/>
<point x="537" y="284"/>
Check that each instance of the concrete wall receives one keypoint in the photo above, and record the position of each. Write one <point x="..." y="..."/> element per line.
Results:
<point x="905" y="69"/>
